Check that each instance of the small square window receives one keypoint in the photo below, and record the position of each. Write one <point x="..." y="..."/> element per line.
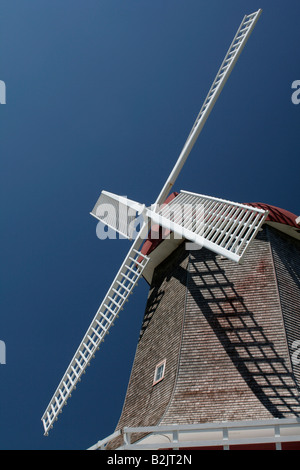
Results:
<point x="159" y="372"/>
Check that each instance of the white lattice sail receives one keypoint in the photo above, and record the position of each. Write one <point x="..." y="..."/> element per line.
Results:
<point x="239" y="41"/>
<point x="225" y="227"/>
<point x="108" y="312"/>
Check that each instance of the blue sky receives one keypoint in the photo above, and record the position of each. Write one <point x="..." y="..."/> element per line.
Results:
<point x="101" y="94"/>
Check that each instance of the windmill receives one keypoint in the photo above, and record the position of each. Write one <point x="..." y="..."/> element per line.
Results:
<point x="222" y="227"/>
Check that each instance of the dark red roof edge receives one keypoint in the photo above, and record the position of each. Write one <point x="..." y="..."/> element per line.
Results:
<point x="276" y="214"/>
<point x="152" y="243"/>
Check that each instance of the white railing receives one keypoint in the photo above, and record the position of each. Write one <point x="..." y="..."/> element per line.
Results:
<point x="196" y="436"/>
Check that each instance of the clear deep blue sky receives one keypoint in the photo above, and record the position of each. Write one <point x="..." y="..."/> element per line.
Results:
<point x="101" y="94"/>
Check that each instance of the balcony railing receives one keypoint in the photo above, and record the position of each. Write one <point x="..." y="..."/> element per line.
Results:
<point x="212" y="435"/>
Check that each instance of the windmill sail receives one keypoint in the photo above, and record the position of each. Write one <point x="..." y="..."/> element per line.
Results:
<point x="108" y="312"/>
<point x="224" y="227"/>
<point x="234" y="51"/>
<point x="224" y="231"/>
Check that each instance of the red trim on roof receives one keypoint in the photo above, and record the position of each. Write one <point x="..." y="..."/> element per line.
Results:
<point x="152" y="243"/>
<point x="276" y="214"/>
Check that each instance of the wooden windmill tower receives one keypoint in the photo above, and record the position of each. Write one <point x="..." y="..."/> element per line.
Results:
<point x="214" y="363"/>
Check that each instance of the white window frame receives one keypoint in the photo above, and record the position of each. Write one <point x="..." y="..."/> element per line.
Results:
<point x="157" y="379"/>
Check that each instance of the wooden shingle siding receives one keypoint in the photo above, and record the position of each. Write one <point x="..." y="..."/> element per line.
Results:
<point x="286" y="255"/>
<point x="226" y="332"/>
<point x="160" y="339"/>
<point x="234" y="361"/>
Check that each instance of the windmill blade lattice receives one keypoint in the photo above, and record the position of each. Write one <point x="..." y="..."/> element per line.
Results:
<point x="234" y="51"/>
<point x="118" y="293"/>
<point x="224" y="231"/>
<point x="224" y="227"/>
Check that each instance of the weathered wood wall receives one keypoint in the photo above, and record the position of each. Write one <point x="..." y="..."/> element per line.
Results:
<point x="226" y="332"/>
